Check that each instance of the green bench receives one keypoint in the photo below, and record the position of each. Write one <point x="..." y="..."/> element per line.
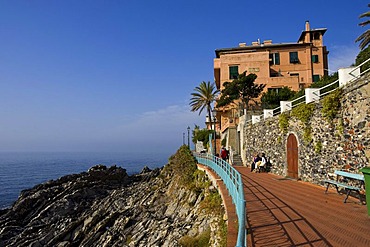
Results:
<point x="342" y="184"/>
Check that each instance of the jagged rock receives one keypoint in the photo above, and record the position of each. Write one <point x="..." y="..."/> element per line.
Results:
<point x="145" y="170"/>
<point x="104" y="207"/>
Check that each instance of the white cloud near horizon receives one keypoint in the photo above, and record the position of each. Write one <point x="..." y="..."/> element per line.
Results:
<point x="342" y="57"/>
<point x="162" y="128"/>
<point x="151" y="131"/>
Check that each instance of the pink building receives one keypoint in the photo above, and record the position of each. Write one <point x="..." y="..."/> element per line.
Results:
<point x="295" y="65"/>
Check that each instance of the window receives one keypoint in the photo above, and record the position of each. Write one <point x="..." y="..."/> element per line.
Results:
<point x="293" y="57"/>
<point x="233" y="72"/>
<point x="274" y="89"/>
<point x="315" y="36"/>
<point x="294" y="74"/>
<point x="315" y="58"/>
<point x="316" y="78"/>
<point x="274" y="58"/>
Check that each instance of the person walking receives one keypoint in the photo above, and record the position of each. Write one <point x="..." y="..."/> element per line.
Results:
<point x="223" y="153"/>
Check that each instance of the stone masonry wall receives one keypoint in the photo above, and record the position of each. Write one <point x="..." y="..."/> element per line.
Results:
<point x="342" y="144"/>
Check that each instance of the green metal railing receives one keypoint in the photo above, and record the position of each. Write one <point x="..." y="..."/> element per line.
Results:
<point x="233" y="181"/>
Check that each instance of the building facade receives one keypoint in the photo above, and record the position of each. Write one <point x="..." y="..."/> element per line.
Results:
<point x="295" y="65"/>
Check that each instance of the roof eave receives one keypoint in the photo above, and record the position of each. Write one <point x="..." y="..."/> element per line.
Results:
<point x="253" y="48"/>
<point x="321" y="30"/>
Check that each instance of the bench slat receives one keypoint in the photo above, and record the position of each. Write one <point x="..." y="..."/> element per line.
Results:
<point x="347" y="187"/>
<point x="342" y="185"/>
<point x="350" y="175"/>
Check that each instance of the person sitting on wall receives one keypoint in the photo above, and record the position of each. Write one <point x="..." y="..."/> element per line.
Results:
<point x="256" y="159"/>
<point x="262" y="163"/>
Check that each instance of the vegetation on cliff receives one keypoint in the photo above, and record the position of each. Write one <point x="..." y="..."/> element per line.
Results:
<point x="182" y="169"/>
<point x="107" y="207"/>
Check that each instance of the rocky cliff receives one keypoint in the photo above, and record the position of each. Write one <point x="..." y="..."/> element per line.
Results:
<point x="172" y="206"/>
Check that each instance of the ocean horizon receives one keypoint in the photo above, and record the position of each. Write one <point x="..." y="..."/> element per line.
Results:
<point x="24" y="170"/>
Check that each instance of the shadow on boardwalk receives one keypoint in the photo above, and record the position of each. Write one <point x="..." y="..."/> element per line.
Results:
<point x="283" y="212"/>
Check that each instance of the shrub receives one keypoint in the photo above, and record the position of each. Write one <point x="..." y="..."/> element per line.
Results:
<point x="303" y="112"/>
<point x="182" y="166"/>
<point x="318" y="147"/>
<point x="200" y="240"/>
<point x="331" y="105"/>
<point x="284" y="122"/>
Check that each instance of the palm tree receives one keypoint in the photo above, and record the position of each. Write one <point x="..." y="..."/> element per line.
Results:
<point x="203" y="97"/>
<point x="365" y="37"/>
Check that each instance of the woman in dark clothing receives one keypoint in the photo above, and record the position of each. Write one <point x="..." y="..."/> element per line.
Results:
<point x="255" y="160"/>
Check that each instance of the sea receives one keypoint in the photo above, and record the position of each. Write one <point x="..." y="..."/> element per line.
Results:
<point x="24" y="170"/>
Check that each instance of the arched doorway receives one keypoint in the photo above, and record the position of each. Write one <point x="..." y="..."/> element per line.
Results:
<point x="292" y="156"/>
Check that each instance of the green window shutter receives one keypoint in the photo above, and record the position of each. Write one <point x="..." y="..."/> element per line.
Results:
<point x="277" y="58"/>
<point x="316" y="78"/>
<point x="293" y="57"/>
<point x="315" y="58"/>
<point x="233" y="72"/>
<point x="274" y="58"/>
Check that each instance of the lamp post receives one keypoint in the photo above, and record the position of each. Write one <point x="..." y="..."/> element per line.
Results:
<point x="214" y="129"/>
<point x="183" y="138"/>
<point x="188" y="137"/>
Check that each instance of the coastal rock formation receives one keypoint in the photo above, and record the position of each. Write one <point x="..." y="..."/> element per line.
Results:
<point x="106" y="207"/>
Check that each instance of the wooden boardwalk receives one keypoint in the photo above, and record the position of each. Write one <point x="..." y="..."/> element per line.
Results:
<point x="284" y="212"/>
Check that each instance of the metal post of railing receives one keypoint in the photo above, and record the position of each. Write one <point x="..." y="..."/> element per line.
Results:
<point x="242" y="241"/>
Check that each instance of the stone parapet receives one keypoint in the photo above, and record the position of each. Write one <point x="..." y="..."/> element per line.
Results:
<point x="342" y="144"/>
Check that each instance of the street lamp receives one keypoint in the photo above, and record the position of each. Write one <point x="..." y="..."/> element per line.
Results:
<point x="188" y="137"/>
<point x="183" y="138"/>
<point x="214" y="129"/>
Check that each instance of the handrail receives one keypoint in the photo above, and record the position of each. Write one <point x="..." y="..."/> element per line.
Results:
<point x="297" y="99"/>
<point x="234" y="184"/>
<point x="318" y="92"/>
<point x="358" y="66"/>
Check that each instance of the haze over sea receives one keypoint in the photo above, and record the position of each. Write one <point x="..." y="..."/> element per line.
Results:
<point x="23" y="170"/>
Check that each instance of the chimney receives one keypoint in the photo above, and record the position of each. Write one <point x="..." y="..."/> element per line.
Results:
<point x="242" y="44"/>
<point x="307" y="26"/>
<point x="267" y="42"/>
<point x="255" y="43"/>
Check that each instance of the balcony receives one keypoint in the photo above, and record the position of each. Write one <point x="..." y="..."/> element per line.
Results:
<point x="229" y="123"/>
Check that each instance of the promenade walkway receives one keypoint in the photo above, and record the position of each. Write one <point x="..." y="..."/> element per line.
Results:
<point x="284" y="212"/>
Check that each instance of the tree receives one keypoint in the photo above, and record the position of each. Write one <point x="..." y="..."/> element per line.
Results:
<point x="271" y="99"/>
<point x="203" y="97"/>
<point x="362" y="57"/>
<point x="201" y="135"/>
<point x="365" y="37"/>
<point x="242" y="88"/>
<point x="325" y="80"/>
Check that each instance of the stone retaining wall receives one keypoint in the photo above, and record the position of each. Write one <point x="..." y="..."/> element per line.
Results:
<point x="341" y="144"/>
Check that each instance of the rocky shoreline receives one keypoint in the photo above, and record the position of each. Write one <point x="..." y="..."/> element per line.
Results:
<point x="107" y="207"/>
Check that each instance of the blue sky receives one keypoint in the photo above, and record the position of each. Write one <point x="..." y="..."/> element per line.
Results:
<point x="117" y="75"/>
